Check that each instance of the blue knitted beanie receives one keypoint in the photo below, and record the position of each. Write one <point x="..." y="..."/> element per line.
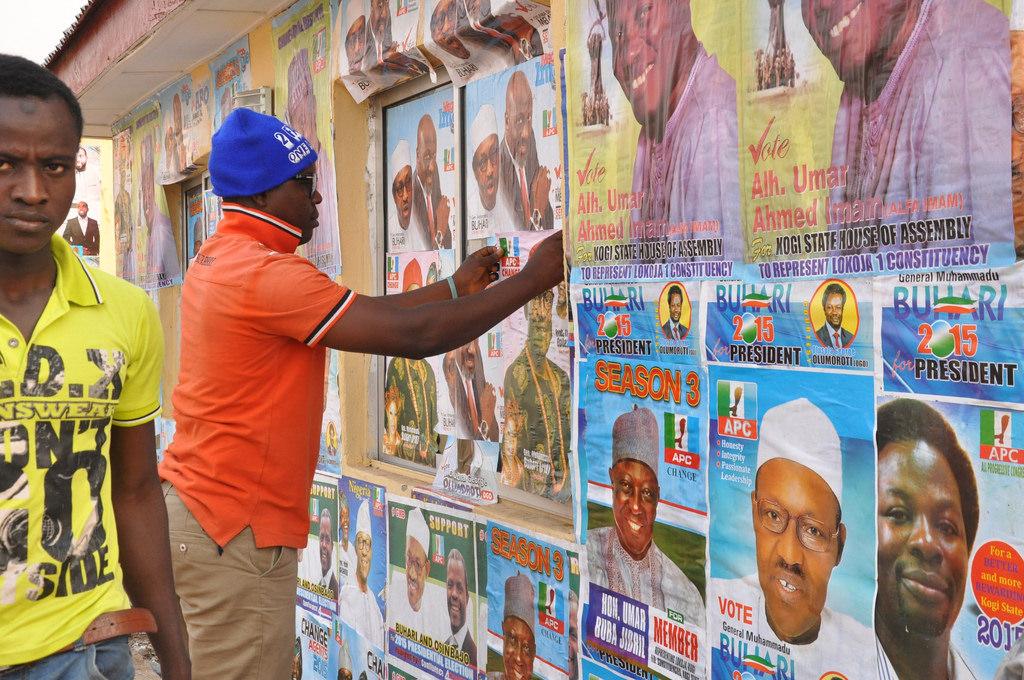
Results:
<point x="253" y="152"/>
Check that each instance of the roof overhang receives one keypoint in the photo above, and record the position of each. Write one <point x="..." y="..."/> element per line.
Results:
<point x="121" y="51"/>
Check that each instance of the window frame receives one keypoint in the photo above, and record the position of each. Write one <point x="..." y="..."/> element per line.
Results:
<point x="400" y="94"/>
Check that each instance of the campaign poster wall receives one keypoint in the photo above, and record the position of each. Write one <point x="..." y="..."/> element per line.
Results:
<point x="83" y="223"/>
<point x="956" y="589"/>
<point x="658" y="320"/>
<point x="433" y="601"/>
<point x="315" y="655"/>
<point x="469" y="471"/>
<point x="1017" y="133"/>
<point x="303" y="91"/>
<point x="646" y="513"/>
<point x="363" y="570"/>
<point x="329" y="457"/>
<point x="790" y="600"/>
<point x="377" y="45"/>
<point x="230" y="75"/>
<point x="811" y="324"/>
<point x="318" y="582"/>
<point x="195" y="222"/>
<point x="952" y="334"/>
<point x="536" y="433"/>
<point x="888" y="173"/>
<point x="175" y="152"/>
<point x="153" y="256"/>
<point x="476" y="38"/>
<point x="421" y="171"/>
<point x="528" y="586"/>
<point x="653" y="149"/>
<point x="514" y="179"/>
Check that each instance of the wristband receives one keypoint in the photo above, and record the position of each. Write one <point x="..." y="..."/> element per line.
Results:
<point x="451" y="284"/>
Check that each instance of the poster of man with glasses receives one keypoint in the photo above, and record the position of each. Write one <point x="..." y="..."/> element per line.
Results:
<point x="793" y="565"/>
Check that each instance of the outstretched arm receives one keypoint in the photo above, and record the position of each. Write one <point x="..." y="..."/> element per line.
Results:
<point x="144" y="543"/>
<point x="372" y="325"/>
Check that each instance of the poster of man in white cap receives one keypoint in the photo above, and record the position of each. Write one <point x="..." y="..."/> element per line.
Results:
<point x="514" y="151"/>
<point x="376" y="48"/>
<point x="790" y="573"/>
<point x="528" y="606"/>
<point x="422" y="173"/>
<point x="362" y="598"/>
<point x="428" y="622"/>
<point x="476" y="38"/>
<point x="646" y="511"/>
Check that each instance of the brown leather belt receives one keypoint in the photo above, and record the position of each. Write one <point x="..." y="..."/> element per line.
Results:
<point x="115" y="624"/>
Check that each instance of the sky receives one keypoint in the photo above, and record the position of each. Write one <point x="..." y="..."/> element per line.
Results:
<point x="33" y="29"/>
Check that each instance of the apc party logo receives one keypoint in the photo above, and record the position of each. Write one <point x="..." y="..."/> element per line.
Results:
<point x="549" y="607"/>
<point x="737" y="409"/>
<point x="996" y="440"/>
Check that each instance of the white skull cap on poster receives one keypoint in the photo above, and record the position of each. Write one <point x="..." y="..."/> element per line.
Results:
<point x="816" y="447"/>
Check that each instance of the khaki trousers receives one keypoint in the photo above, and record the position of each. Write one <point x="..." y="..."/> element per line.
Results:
<point x="239" y="604"/>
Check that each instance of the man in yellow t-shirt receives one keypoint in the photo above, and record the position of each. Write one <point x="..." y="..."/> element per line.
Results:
<point x="83" y="529"/>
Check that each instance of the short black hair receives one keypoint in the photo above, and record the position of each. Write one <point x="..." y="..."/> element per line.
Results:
<point x="20" y="77"/>
<point x="833" y="289"/>
<point x="674" y="290"/>
<point x="909" y="420"/>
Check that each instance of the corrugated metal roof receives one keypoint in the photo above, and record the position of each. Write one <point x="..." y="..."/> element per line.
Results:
<point x="83" y="13"/>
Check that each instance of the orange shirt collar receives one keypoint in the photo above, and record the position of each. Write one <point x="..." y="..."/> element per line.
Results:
<point x="271" y="231"/>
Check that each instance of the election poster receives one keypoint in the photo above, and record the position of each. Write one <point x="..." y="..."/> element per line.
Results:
<point x="433" y="599"/>
<point x="195" y="228"/>
<point x="949" y="539"/>
<point x="357" y="658"/>
<point x="653" y="149"/>
<point x="646" y="513"/>
<point x="861" y="152"/>
<point x="469" y="471"/>
<point x="422" y="172"/>
<point x="824" y="324"/>
<point x="528" y="605"/>
<point x="153" y="254"/>
<point x="953" y="333"/>
<point x="230" y="75"/>
<point x="315" y="654"/>
<point x="303" y="90"/>
<point x="124" y="222"/>
<point x="363" y="571"/>
<point x="318" y="583"/>
<point x="174" y="137"/>
<point x="329" y="457"/>
<point x="514" y="151"/>
<point x="477" y="38"/>
<point x="656" y="320"/>
<point x="536" y="432"/>
<point x="376" y="45"/>
<point x="87" y="214"/>
<point x="787" y="449"/>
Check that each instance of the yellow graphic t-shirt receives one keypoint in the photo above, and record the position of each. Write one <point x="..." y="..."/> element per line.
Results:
<point x="93" y="362"/>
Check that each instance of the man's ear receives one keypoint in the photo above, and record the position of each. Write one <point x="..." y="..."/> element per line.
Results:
<point x="261" y="200"/>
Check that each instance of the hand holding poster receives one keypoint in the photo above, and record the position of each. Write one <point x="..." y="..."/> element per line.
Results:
<point x="536" y="435"/>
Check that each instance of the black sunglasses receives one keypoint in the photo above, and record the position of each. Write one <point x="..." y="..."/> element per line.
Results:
<point x="309" y="179"/>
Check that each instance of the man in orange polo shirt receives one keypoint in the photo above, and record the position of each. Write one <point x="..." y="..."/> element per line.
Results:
<point x="256" y="319"/>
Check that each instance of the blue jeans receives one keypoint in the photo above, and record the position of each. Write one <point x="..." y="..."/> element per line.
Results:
<point x="107" y="660"/>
